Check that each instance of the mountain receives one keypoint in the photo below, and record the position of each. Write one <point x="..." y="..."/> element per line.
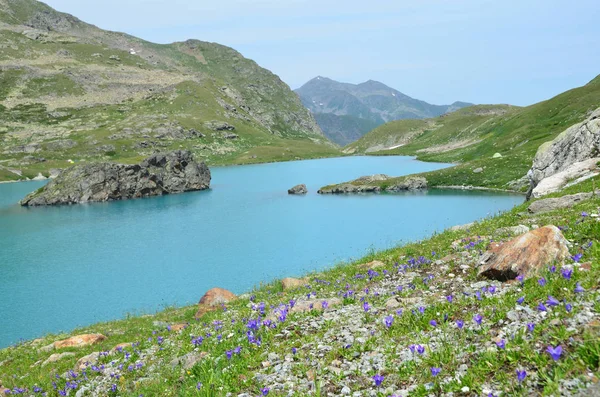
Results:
<point x="499" y="141"/>
<point x="371" y="100"/>
<point x="72" y="91"/>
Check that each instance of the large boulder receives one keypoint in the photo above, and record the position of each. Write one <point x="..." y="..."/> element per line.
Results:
<point x="524" y="255"/>
<point x="159" y="174"/>
<point x="293" y="283"/>
<point x="578" y="143"/>
<point x="79" y="341"/>
<point x="551" y="204"/>
<point x="572" y="175"/>
<point x="298" y="189"/>
<point x="213" y="299"/>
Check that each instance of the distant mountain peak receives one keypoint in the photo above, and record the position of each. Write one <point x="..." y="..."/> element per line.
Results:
<point x="371" y="100"/>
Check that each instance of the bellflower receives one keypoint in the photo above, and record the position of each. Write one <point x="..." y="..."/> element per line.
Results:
<point x="541" y="307"/>
<point x="389" y="320"/>
<point x="578" y="289"/>
<point x="435" y="371"/>
<point x="433" y="323"/>
<point x="521" y="300"/>
<point x="378" y="379"/>
<point x="265" y="391"/>
<point x="521" y="374"/>
<point x="530" y="327"/>
<point x="566" y="273"/>
<point x="420" y="349"/>
<point x="577" y="257"/>
<point x="478" y="318"/>
<point x="366" y="306"/>
<point x="552" y="301"/>
<point x="460" y="324"/>
<point x="449" y="298"/>
<point x="542" y="281"/>
<point x="555" y="352"/>
<point x="501" y="343"/>
<point x="568" y="307"/>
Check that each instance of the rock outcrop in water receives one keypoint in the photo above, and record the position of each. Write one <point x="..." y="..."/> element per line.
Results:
<point x="571" y="157"/>
<point x="298" y="189"/>
<point x="371" y="184"/>
<point x="159" y="174"/>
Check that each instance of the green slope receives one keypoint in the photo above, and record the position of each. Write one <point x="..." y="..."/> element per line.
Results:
<point x="71" y="91"/>
<point x="472" y="136"/>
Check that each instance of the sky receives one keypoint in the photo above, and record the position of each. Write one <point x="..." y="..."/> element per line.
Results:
<point x="481" y="51"/>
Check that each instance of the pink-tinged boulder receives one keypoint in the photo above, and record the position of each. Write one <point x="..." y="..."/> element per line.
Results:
<point x="178" y="327"/>
<point x="213" y="299"/>
<point x="371" y="265"/>
<point x="79" y="341"/>
<point x="524" y="255"/>
<point x="292" y="283"/>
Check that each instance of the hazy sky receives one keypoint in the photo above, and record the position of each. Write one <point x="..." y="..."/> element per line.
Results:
<point x="481" y="51"/>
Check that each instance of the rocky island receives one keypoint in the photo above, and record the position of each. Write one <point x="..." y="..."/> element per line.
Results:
<point x="159" y="174"/>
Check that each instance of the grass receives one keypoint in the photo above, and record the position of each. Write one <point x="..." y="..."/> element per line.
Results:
<point x="446" y="346"/>
<point x="480" y="132"/>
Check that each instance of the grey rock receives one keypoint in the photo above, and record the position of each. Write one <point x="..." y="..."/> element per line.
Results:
<point x="579" y="142"/>
<point x="219" y="126"/>
<point x="513" y="230"/>
<point x="187" y="361"/>
<point x="572" y="175"/>
<point x="62" y="144"/>
<point x="162" y="173"/>
<point x="298" y="189"/>
<point x="349" y="188"/>
<point x="550" y="204"/>
<point x="478" y="170"/>
<point x="411" y="183"/>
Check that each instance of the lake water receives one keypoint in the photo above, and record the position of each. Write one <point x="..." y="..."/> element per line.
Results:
<point x="63" y="267"/>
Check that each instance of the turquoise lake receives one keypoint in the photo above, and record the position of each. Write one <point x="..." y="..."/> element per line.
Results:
<point x="64" y="267"/>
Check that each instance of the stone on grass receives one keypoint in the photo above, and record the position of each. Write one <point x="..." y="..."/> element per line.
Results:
<point x="314" y="304"/>
<point x="291" y="283"/>
<point x="552" y="204"/>
<point x="86" y="361"/>
<point x="513" y="230"/>
<point x="187" y="361"/>
<point x="524" y="255"/>
<point x="57" y="357"/>
<point x="371" y="265"/>
<point x="213" y="299"/>
<point x="79" y="341"/>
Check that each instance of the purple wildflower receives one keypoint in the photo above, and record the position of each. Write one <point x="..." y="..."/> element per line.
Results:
<point x="501" y="343"/>
<point x="542" y="281"/>
<point x="579" y="289"/>
<point x="294" y="350"/>
<point x="378" y="379"/>
<point x="521" y="374"/>
<point x="541" y="307"/>
<point x="577" y="257"/>
<point x="450" y="298"/>
<point x="265" y="391"/>
<point x="530" y="327"/>
<point x="460" y="324"/>
<point x="566" y="273"/>
<point x="324" y="305"/>
<point x="478" y="318"/>
<point x="366" y="306"/>
<point x="435" y="371"/>
<point x="199" y="385"/>
<point x="555" y="352"/>
<point x="420" y="349"/>
<point x="520" y="278"/>
<point x="521" y="300"/>
<point x="552" y="301"/>
<point x="492" y="289"/>
<point x="552" y="269"/>
<point x="389" y="320"/>
<point x="478" y="295"/>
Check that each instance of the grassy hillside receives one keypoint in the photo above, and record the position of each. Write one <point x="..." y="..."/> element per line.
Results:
<point x="383" y="332"/>
<point x="71" y="91"/>
<point x="472" y="136"/>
